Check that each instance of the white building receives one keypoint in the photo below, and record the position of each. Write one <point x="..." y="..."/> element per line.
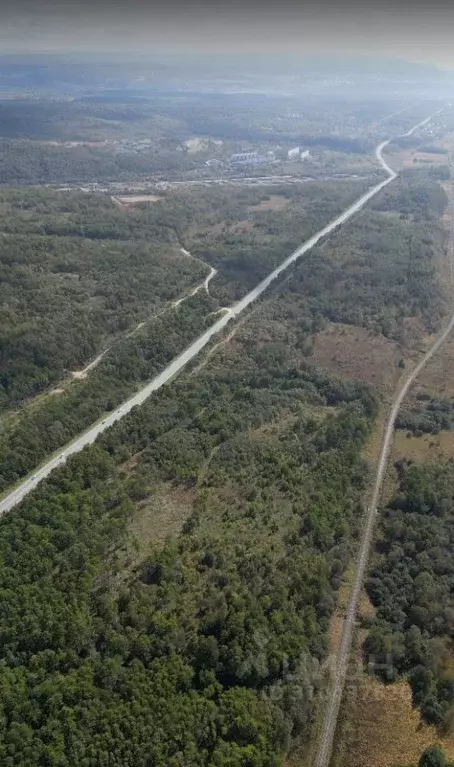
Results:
<point x="295" y="153"/>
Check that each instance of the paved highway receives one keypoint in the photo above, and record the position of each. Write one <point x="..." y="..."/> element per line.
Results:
<point x="88" y="437"/>
<point x="335" y="694"/>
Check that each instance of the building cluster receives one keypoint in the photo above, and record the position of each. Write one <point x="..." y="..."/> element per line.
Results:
<point x="251" y="158"/>
<point x="295" y="153"/>
<point x="241" y="159"/>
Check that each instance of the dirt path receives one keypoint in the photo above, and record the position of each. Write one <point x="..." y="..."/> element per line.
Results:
<point x="335" y="694"/>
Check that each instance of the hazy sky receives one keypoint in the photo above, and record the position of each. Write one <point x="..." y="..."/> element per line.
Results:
<point x="409" y="30"/>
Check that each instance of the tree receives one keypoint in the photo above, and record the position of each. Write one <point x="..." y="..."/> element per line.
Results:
<point x="432" y="757"/>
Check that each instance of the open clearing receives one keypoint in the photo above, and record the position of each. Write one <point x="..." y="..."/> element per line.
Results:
<point x="412" y="159"/>
<point x="157" y="518"/>
<point x="134" y="199"/>
<point x="274" y="202"/>
<point x="388" y="730"/>
<point x="355" y="353"/>
<point x="428" y="447"/>
<point x="438" y="377"/>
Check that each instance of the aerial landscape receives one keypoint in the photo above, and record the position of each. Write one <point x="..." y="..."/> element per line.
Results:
<point x="226" y="386"/>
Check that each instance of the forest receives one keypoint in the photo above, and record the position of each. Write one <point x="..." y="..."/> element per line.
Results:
<point x="38" y="429"/>
<point x="206" y="648"/>
<point x="411" y="585"/>
<point x="78" y="272"/>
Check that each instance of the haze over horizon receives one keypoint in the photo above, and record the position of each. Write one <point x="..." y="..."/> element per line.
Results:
<point x="411" y="32"/>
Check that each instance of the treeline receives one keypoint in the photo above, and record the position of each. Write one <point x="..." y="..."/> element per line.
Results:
<point x="205" y="650"/>
<point x="434" y="756"/>
<point x="29" y="162"/>
<point x="411" y="587"/>
<point x="428" y="415"/>
<point x="245" y="254"/>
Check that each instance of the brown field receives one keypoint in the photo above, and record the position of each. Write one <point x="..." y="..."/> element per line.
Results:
<point x="429" y="158"/>
<point x="275" y="202"/>
<point x="429" y="447"/>
<point x="133" y="199"/>
<point x="387" y="730"/>
<point x="438" y="376"/>
<point x="357" y="354"/>
<point x="410" y="158"/>
<point x="156" y="518"/>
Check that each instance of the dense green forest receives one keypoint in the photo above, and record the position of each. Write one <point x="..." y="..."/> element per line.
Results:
<point x="204" y="649"/>
<point x="30" y="162"/>
<point x="411" y="586"/>
<point x="239" y="116"/>
<point x="381" y="269"/>
<point x="39" y="429"/>
<point x="62" y="300"/>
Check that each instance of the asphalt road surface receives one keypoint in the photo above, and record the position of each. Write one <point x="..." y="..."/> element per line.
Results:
<point x="88" y="437"/>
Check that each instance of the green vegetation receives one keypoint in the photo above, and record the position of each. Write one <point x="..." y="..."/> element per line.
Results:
<point x="246" y="253"/>
<point x="206" y="649"/>
<point x="46" y="425"/>
<point x="30" y="162"/>
<point x="428" y="416"/>
<point x="415" y="195"/>
<point x="411" y="586"/>
<point x="77" y="270"/>
<point x="433" y="756"/>
<point x="33" y="133"/>
<point x="106" y="281"/>
<point x="375" y="273"/>
<point x="131" y="640"/>
<point x="62" y="301"/>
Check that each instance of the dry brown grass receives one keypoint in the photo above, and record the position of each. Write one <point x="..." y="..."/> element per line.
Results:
<point x="438" y="376"/>
<point x="423" y="158"/>
<point x="387" y="730"/>
<point x="162" y="515"/>
<point x="275" y="202"/>
<point x="358" y="354"/>
<point x="429" y="447"/>
<point x="156" y="519"/>
<point x="133" y="199"/>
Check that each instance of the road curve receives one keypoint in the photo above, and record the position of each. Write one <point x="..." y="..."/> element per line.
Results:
<point x="89" y="436"/>
<point x="335" y="694"/>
